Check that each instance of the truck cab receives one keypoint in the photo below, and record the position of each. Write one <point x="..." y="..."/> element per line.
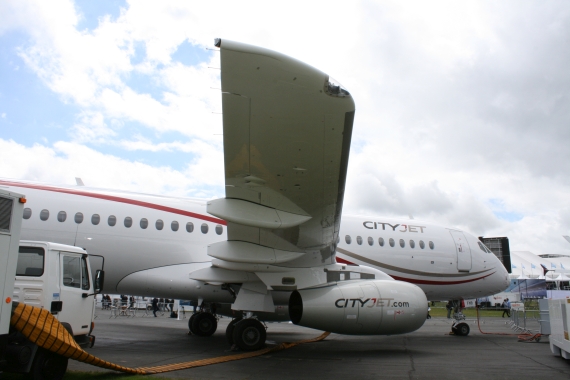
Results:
<point x="57" y="277"/>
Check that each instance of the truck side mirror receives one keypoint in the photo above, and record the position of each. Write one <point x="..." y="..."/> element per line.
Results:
<point x="99" y="280"/>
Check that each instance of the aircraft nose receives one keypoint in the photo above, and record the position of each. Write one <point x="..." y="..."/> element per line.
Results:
<point x="503" y="275"/>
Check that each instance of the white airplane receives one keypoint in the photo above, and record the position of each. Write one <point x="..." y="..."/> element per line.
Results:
<point x="274" y="243"/>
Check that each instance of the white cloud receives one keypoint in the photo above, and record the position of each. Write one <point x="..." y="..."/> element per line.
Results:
<point x="459" y="104"/>
<point x="64" y="161"/>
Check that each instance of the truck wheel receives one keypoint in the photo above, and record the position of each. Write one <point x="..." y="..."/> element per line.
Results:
<point x="205" y="324"/>
<point x="48" y="366"/>
<point x="249" y="335"/>
<point x="230" y="330"/>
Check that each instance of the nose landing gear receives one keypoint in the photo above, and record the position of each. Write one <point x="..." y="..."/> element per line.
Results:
<point x="460" y="328"/>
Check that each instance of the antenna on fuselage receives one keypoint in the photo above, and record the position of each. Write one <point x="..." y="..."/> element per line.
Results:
<point x="411" y="216"/>
<point x="79" y="181"/>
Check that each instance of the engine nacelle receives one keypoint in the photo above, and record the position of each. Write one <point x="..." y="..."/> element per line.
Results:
<point x="371" y="307"/>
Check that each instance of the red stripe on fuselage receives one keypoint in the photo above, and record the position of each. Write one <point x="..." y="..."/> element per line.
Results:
<point x="429" y="282"/>
<point x="113" y="198"/>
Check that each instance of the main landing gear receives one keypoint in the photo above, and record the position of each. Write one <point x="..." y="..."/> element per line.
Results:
<point x="203" y="324"/>
<point x="246" y="334"/>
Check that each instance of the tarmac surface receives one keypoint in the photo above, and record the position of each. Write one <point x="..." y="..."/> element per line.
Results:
<point x="428" y="353"/>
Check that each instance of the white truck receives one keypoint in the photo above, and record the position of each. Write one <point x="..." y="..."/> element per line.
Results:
<point x="56" y="277"/>
<point x="11" y="204"/>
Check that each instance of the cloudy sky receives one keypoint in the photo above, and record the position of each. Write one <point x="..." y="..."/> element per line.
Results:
<point x="463" y="108"/>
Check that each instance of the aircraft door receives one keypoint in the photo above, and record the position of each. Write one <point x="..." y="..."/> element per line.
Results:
<point x="463" y="251"/>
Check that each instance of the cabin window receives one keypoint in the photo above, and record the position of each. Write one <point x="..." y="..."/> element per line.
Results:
<point x="27" y="213"/>
<point x="61" y="216"/>
<point x="79" y="218"/>
<point x="144" y="223"/>
<point x="348" y="239"/>
<point x="381" y="242"/>
<point x="359" y="240"/>
<point x="174" y="225"/>
<point x="159" y="224"/>
<point x="112" y="220"/>
<point x="189" y="226"/>
<point x="30" y="262"/>
<point x="422" y="244"/>
<point x="95" y="219"/>
<point x="370" y="241"/>
<point x="412" y="244"/>
<point x="204" y="228"/>
<point x="431" y="245"/>
<point x="391" y="242"/>
<point x="219" y="229"/>
<point x="128" y="222"/>
<point x="402" y="243"/>
<point x="44" y="214"/>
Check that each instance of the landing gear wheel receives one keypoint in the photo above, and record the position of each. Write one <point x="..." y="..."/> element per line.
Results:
<point x="461" y="329"/>
<point x="204" y="324"/>
<point x="48" y="366"/>
<point x="249" y="335"/>
<point x="190" y="324"/>
<point x="230" y="330"/>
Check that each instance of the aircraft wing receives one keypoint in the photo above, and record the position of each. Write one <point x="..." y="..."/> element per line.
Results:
<point x="287" y="131"/>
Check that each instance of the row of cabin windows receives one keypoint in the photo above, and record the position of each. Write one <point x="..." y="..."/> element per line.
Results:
<point x="391" y="241"/>
<point x="128" y="221"/>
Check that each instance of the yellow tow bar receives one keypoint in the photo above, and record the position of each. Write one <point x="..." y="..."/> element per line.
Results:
<point x="42" y="329"/>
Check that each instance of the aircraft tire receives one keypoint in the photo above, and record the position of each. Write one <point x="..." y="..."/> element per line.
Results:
<point x="204" y="324"/>
<point x="462" y="329"/>
<point x="249" y="335"/>
<point x="48" y="366"/>
<point x="190" y="324"/>
<point x="230" y="330"/>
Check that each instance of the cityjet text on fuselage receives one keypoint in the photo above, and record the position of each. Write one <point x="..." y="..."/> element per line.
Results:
<point x="403" y="227"/>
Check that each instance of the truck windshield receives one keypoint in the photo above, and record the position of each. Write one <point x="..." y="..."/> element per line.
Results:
<point x="30" y="262"/>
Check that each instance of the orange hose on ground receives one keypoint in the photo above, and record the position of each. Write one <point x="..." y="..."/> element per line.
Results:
<point x="42" y="329"/>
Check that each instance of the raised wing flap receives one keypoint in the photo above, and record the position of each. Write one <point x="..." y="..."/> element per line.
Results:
<point x="287" y="131"/>
<point x="254" y="214"/>
<point x="244" y="252"/>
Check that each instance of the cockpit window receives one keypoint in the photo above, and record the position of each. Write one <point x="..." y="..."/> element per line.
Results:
<point x="481" y="246"/>
<point x="334" y="88"/>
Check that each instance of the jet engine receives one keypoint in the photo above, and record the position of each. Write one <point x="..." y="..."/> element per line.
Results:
<point x="371" y="307"/>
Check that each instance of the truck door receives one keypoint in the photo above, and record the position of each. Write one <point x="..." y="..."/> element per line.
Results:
<point x="75" y="284"/>
<point x="463" y="251"/>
